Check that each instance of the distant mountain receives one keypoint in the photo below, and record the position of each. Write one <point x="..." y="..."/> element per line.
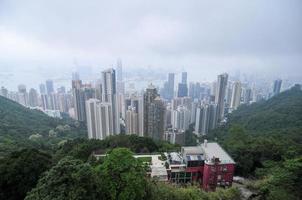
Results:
<point x="24" y="127"/>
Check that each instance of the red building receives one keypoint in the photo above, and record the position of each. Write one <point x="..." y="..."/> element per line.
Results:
<point x="207" y="164"/>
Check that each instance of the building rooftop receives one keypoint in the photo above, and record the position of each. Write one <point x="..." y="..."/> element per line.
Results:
<point x="213" y="149"/>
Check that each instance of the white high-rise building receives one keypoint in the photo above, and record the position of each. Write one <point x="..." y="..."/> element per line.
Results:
<point x="132" y="122"/>
<point x="180" y="118"/>
<point x="236" y="95"/>
<point x="109" y="95"/>
<point x="99" y="119"/>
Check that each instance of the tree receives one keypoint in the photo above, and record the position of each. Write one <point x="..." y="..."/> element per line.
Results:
<point x="69" y="179"/>
<point x="20" y="171"/>
<point x="123" y="175"/>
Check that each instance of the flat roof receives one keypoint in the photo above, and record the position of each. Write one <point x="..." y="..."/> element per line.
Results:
<point x="213" y="149"/>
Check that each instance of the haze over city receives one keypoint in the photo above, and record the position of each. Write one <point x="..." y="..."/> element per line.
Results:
<point x="50" y="39"/>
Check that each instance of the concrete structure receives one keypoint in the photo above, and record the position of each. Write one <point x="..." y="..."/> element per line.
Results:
<point x="277" y="86"/>
<point x="154" y="112"/>
<point x="109" y="95"/>
<point x="220" y="93"/>
<point x="236" y="95"/>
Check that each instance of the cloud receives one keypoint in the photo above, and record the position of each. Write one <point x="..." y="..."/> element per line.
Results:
<point x="205" y="36"/>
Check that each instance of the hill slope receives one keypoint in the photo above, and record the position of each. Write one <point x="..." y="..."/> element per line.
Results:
<point x="279" y="113"/>
<point x="23" y="127"/>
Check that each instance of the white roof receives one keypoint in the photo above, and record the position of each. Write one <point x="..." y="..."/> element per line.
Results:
<point x="192" y="150"/>
<point x="212" y="149"/>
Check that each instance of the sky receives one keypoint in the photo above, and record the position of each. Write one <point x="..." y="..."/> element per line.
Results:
<point x="42" y="39"/>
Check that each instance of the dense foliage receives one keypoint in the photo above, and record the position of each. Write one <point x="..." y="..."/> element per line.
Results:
<point x="21" y="127"/>
<point x="265" y="140"/>
<point x="20" y="171"/>
<point x="82" y="148"/>
<point x="119" y="177"/>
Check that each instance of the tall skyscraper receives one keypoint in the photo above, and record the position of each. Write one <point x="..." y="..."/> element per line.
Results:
<point x="132" y="121"/>
<point x="81" y="93"/>
<point x="22" y="95"/>
<point x="220" y="94"/>
<point x="184" y="77"/>
<point x="236" y="95"/>
<point x="49" y="86"/>
<point x="183" y="87"/>
<point x="247" y="95"/>
<point x="277" y="86"/>
<point x="168" y="91"/>
<point x="154" y="111"/>
<point x="206" y="118"/>
<point x="180" y="118"/>
<point x="42" y="88"/>
<point x="33" y="98"/>
<point x="99" y="119"/>
<point x="109" y="95"/>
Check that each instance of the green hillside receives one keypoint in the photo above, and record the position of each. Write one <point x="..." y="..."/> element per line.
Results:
<point x="279" y="113"/>
<point x="265" y="140"/>
<point x="23" y="127"/>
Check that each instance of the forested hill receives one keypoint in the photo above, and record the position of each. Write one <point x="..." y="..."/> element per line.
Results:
<point x="265" y="140"/>
<point x="278" y="114"/>
<point x="24" y="127"/>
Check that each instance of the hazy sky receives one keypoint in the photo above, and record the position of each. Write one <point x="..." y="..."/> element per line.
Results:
<point x="205" y="37"/>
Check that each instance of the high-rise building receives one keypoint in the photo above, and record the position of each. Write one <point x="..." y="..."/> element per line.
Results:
<point x="247" y="95"/>
<point x="168" y="91"/>
<point x="109" y="95"/>
<point x="180" y="118"/>
<point x="49" y="86"/>
<point x="99" y="119"/>
<point x="33" y="98"/>
<point x="206" y="118"/>
<point x="136" y="104"/>
<point x="154" y="111"/>
<point x="42" y="88"/>
<point x="236" y="95"/>
<point x="183" y="87"/>
<point x="22" y="95"/>
<point x="4" y="92"/>
<point x="182" y="90"/>
<point x="277" y="86"/>
<point x="220" y="94"/>
<point x="81" y="93"/>
<point x="184" y="77"/>
<point x="132" y="121"/>
<point x="44" y="100"/>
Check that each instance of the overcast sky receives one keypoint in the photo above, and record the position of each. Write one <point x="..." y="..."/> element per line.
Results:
<point x="206" y="37"/>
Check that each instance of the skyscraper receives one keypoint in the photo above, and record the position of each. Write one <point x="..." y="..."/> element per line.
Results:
<point x="206" y="118"/>
<point x="180" y="118"/>
<point x="236" y="95"/>
<point x="33" y="98"/>
<point x="132" y="121"/>
<point x="277" y="86"/>
<point x="81" y="93"/>
<point x="182" y="90"/>
<point x="154" y="111"/>
<point x="109" y="95"/>
<point x="22" y="95"/>
<point x="99" y="119"/>
<point x="183" y="87"/>
<point x="42" y="88"/>
<point x="49" y="86"/>
<point x="221" y="86"/>
<point x="184" y="77"/>
<point x="168" y="91"/>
